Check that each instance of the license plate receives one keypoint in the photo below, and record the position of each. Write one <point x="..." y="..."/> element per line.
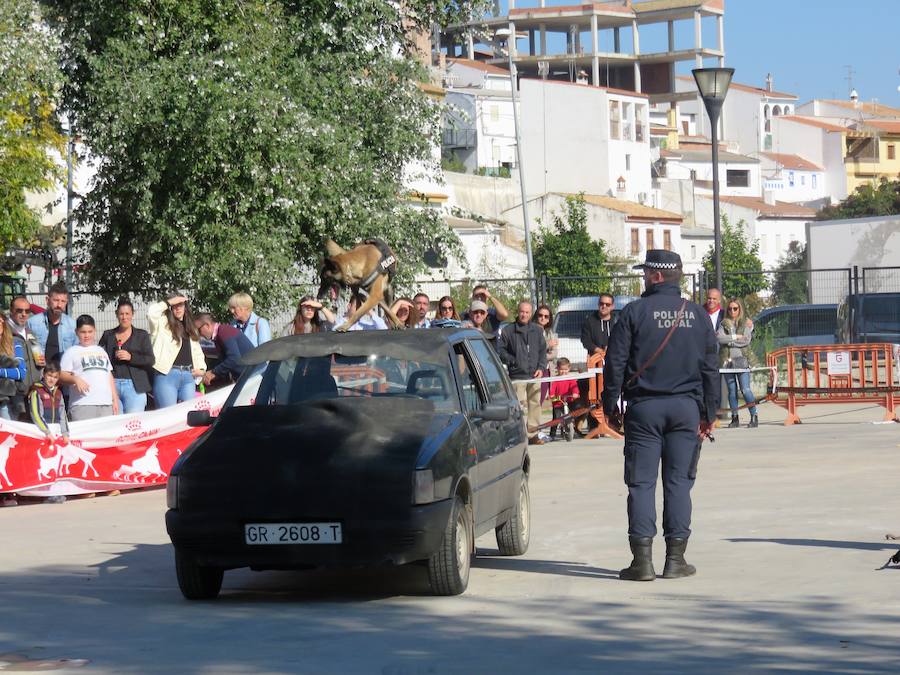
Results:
<point x="292" y="533"/>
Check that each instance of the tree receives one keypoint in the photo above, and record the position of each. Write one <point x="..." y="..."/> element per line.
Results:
<point x="868" y="200"/>
<point x="790" y="283"/>
<point x="741" y="266"/>
<point x="235" y="136"/>
<point x="30" y="140"/>
<point x="565" y="249"/>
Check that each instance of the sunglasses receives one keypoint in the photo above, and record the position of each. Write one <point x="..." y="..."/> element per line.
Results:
<point x="733" y="308"/>
<point x="18" y="310"/>
<point x="479" y="311"/>
<point x="605" y="304"/>
<point x="543" y="316"/>
<point x="446" y="308"/>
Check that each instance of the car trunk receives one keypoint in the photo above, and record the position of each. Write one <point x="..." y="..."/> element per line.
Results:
<point x="337" y="459"/>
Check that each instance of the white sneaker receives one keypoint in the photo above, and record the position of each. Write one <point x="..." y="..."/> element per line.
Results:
<point x="56" y="499"/>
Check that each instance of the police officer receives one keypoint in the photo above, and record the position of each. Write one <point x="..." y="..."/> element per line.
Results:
<point x="662" y="360"/>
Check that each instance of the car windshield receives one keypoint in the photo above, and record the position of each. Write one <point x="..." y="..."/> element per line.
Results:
<point x="301" y="379"/>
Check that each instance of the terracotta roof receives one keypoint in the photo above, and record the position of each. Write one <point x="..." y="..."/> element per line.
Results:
<point x="748" y="88"/>
<point x="812" y="121"/>
<point x="776" y="210"/>
<point x="630" y="209"/>
<point x="480" y="65"/>
<point x="869" y="108"/>
<point x="559" y="9"/>
<point x="792" y="161"/>
<point x="705" y="155"/>
<point x="887" y="126"/>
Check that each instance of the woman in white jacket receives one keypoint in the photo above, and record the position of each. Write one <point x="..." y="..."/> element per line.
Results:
<point x="176" y="348"/>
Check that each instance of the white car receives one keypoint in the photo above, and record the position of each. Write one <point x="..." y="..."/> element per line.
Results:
<point x="571" y="313"/>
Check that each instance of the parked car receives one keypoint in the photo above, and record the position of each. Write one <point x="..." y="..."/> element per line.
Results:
<point x="869" y="317"/>
<point x="571" y="313"/>
<point x="348" y="449"/>
<point x="786" y="325"/>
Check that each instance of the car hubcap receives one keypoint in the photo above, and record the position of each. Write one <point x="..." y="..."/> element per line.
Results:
<point x="462" y="545"/>
<point x="524" y="512"/>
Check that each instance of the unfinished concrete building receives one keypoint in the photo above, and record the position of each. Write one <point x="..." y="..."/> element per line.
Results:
<point x="597" y="43"/>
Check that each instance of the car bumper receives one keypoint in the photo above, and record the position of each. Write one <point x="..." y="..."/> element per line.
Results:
<point x="219" y="542"/>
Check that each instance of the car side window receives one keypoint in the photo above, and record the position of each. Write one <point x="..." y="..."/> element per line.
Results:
<point x="490" y="366"/>
<point x="468" y="380"/>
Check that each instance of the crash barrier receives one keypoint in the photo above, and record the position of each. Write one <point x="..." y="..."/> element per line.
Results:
<point x="819" y="374"/>
<point x="594" y="393"/>
<point x="110" y="453"/>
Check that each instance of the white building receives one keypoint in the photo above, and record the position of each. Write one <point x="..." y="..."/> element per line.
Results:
<point x="739" y="175"/>
<point x="820" y="143"/>
<point x="790" y="178"/>
<point x="581" y="138"/>
<point x="747" y="113"/>
<point x="774" y="225"/>
<point x="479" y="128"/>
<point x="845" y="112"/>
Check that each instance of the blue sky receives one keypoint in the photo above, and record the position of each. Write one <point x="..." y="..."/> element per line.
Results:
<point x="805" y="44"/>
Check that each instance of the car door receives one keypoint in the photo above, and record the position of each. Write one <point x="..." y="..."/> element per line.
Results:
<point x="512" y="438"/>
<point x="485" y="434"/>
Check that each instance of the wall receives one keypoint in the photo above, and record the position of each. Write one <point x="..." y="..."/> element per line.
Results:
<point x="681" y="170"/>
<point x="802" y="189"/>
<point x="817" y="145"/>
<point x="866" y="242"/>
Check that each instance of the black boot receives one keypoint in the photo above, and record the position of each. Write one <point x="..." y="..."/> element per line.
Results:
<point x="754" y="422"/>
<point x="735" y="422"/>
<point x="641" y="568"/>
<point x="676" y="567"/>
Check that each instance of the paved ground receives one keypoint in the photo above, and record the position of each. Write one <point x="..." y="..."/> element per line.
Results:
<point x="788" y="538"/>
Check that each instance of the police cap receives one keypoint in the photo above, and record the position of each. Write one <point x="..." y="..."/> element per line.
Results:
<point x="660" y="259"/>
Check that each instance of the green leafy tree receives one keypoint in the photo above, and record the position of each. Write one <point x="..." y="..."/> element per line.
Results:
<point x="741" y="266"/>
<point x="565" y="249"/>
<point x="868" y="200"/>
<point x="234" y="136"/>
<point x="790" y="285"/>
<point x="30" y="140"/>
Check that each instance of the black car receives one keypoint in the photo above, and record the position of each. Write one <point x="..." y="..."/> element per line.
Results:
<point x="354" y="449"/>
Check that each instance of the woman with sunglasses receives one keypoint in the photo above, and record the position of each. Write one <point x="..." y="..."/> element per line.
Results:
<point x="543" y="317"/>
<point x="311" y="317"/>
<point x="447" y="309"/>
<point x="178" y="358"/>
<point x="735" y="334"/>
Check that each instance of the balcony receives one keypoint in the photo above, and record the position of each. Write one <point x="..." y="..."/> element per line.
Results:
<point x="452" y="138"/>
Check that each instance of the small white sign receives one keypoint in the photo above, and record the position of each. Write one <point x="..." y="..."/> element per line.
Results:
<point x="838" y="363"/>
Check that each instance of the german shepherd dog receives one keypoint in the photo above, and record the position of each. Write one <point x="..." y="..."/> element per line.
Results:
<point x="369" y="268"/>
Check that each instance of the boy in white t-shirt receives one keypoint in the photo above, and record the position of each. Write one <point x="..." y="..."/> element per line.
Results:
<point x="86" y="369"/>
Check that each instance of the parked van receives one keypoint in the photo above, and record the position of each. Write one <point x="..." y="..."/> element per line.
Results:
<point x="869" y="317"/>
<point x="571" y="313"/>
<point x="794" y="325"/>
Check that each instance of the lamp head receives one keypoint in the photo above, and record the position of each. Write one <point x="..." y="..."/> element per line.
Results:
<point x="713" y="83"/>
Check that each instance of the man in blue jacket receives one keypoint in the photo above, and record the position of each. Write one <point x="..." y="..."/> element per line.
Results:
<point x="231" y="343"/>
<point x="54" y="329"/>
<point x="662" y="360"/>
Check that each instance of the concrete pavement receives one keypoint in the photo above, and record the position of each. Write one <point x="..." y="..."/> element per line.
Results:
<point x="789" y="531"/>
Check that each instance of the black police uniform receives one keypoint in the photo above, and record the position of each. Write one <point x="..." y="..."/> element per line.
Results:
<point x="665" y="403"/>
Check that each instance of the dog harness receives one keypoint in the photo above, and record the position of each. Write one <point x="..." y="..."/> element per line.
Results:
<point x="386" y="265"/>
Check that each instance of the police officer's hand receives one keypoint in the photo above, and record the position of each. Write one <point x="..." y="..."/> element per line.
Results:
<point x="706" y="429"/>
<point x="615" y="421"/>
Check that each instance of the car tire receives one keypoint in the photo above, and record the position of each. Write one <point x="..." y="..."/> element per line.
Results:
<point x="448" y="567"/>
<point x="197" y="582"/>
<point x="513" y="536"/>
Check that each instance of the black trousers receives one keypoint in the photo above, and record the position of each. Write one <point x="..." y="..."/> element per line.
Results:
<point x="664" y="429"/>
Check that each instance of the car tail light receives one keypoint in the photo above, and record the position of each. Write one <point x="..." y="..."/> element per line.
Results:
<point x="172" y="492"/>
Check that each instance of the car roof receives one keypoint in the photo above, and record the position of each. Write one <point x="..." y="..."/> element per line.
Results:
<point x="794" y="308"/>
<point x="583" y="302"/>
<point x="428" y="344"/>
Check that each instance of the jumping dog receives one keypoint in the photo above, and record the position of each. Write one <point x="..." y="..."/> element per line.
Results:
<point x="369" y="268"/>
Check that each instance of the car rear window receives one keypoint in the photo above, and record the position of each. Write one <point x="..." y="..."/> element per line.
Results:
<point x="300" y="380"/>
<point x="568" y="323"/>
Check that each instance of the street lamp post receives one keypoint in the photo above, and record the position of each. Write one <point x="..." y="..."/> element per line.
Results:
<point x="712" y="83"/>
<point x="505" y="33"/>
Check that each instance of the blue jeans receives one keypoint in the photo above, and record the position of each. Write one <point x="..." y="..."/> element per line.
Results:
<point x="174" y="387"/>
<point x="129" y="400"/>
<point x="4" y="411"/>
<point x="732" y="380"/>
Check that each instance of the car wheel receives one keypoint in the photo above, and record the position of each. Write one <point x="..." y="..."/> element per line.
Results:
<point x="513" y="536"/>
<point x="448" y="567"/>
<point x="197" y="582"/>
